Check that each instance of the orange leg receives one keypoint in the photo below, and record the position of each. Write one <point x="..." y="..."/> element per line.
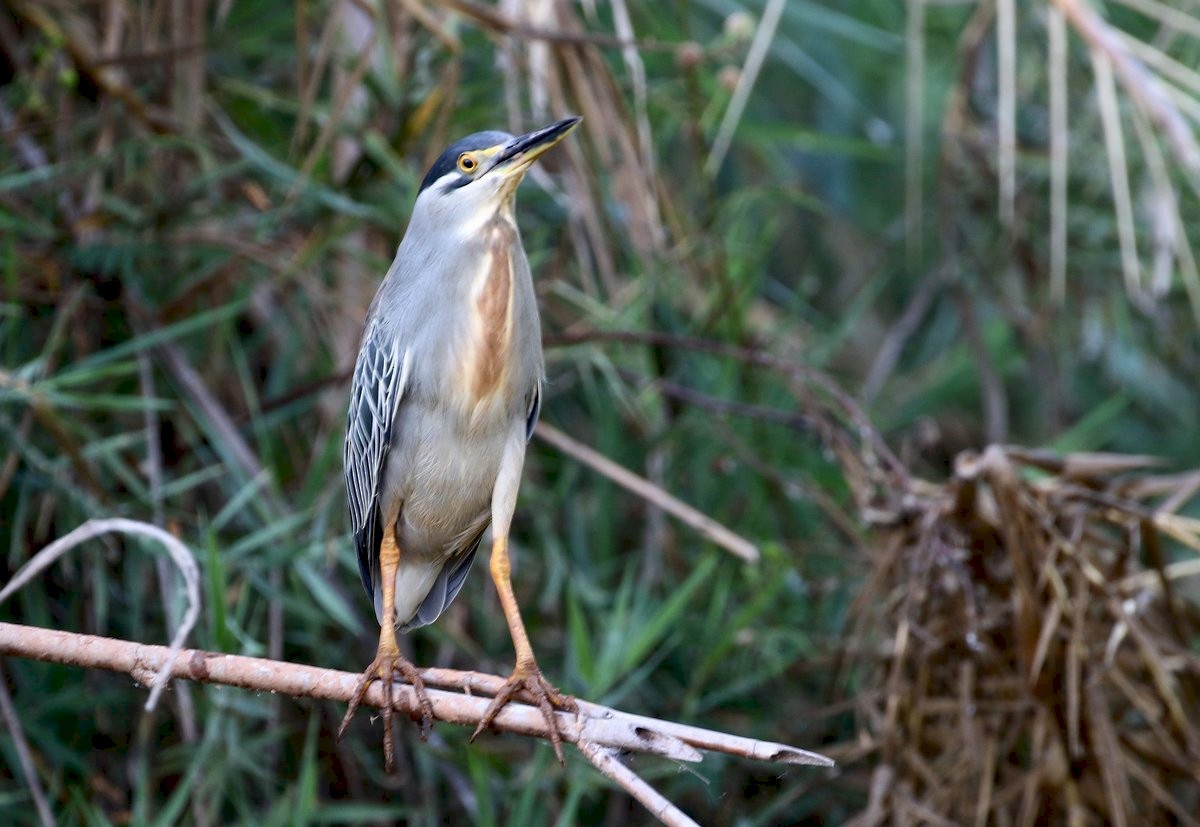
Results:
<point x="388" y="660"/>
<point x="526" y="678"/>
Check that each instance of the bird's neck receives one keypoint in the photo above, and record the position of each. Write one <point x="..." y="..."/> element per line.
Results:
<point x="492" y="308"/>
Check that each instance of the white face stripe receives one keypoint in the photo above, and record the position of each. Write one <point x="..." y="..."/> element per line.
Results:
<point x="451" y="181"/>
<point x="453" y="212"/>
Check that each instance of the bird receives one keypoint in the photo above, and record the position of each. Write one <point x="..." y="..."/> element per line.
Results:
<point x="445" y="395"/>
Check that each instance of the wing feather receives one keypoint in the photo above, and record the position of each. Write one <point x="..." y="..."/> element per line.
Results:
<point x="380" y="376"/>
<point x="534" y="410"/>
<point x="447" y="586"/>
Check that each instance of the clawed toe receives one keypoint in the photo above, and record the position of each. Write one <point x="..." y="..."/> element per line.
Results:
<point x="385" y="668"/>
<point x="423" y="716"/>
<point x="528" y="685"/>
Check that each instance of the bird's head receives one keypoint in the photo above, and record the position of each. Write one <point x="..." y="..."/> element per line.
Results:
<point x="477" y="177"/>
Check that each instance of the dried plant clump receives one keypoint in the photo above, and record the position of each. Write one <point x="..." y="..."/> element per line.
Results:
<point x="1038" y="664"/>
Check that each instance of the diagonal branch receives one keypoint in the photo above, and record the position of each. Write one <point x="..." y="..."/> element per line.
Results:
<point x="603" y="759"/>
<point x="24" y="758"/>
<point x="708" y="528"/>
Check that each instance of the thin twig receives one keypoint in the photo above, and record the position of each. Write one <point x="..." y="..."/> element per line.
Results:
<point x="24" y="757"/>
<point x="759" y="47"/>
<point x="914" y="129"/>
<point x="1140" y="84"/>
<point x="224" y="433"/>
<point x="887" y="355"/>
<point x="1118" y="170"/>
<point x="108" y="79"/>
<point x="659" y="806"/>
<point x="1172" y="18"/>
<point x="1006" y="107"/>
<point x="154" y="478"/>
<point x="430" y="23"/>
<point x="333" y="119"/>
<point x="992" y="393"/>
<point x="719" y="405"/>
<point x="637" y="76"/>
<point x="1056" y="31"/>
<point x="845" y="404"/>
<point x="180" y="554"/>
<point x="701" y="522"/>
<point x="497" y="21"/>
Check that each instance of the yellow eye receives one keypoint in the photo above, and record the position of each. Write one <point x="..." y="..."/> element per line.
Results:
<point x="466" y="163"/>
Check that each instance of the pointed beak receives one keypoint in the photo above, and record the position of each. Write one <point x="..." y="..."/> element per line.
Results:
<point x="518" y="155"/>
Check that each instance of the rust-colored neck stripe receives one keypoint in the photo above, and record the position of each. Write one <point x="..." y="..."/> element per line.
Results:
<point x="493" y="306"/>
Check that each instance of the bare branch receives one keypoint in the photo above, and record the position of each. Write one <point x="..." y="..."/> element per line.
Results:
<point x="706" y="739"/>
<point x="601" y="725"/>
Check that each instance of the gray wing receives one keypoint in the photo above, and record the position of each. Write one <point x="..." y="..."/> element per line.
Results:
<point x="380" y="375"/>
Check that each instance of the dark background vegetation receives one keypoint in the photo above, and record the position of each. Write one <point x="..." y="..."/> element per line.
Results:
<point x="197" y="202"/>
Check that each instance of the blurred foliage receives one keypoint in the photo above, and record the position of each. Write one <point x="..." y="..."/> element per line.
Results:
<point x="197" y="201"/>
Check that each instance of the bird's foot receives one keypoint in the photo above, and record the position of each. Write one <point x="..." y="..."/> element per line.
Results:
<point x="527" y="684"/>
<point x="386" y="666"/>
